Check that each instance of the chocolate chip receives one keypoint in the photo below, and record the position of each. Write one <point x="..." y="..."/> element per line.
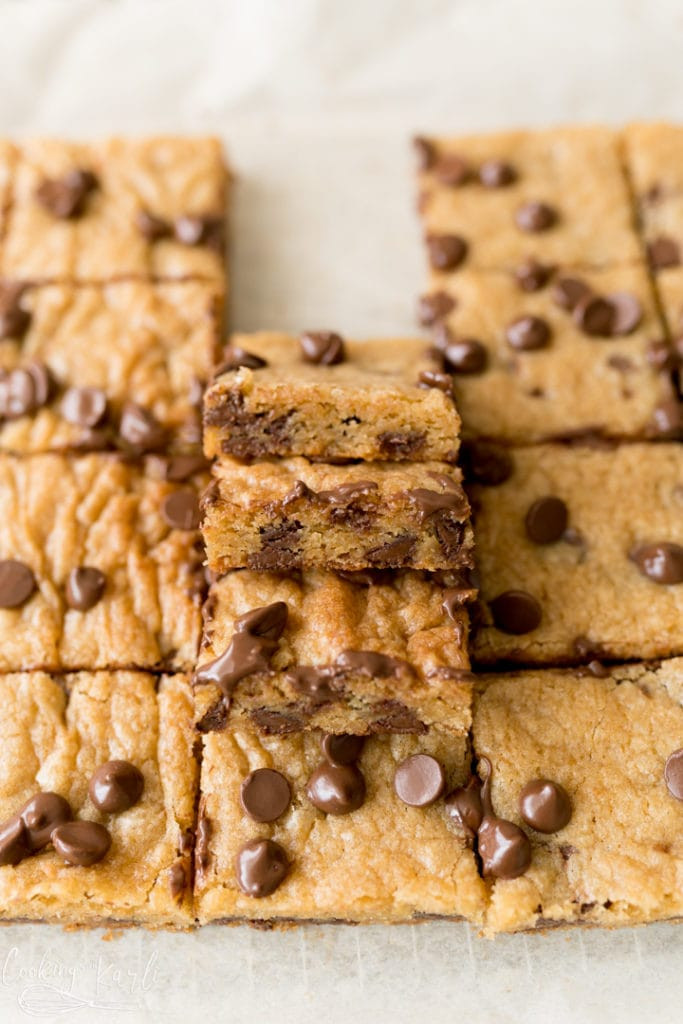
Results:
<point x="140" y="429"/>
<point x="535" y="216"/>
<point x="434" y="379"/>
<point x="446" y="252"/>
<point x="667" y="419"/>
<point x="497" y="174"/>
<point x="663" y="252"/>
<point x="84" y="588"/>
<point x="336" y="788"/>
<point x="463" y="805"/>
<point x="14" y="844"/>
<point x="532" y="276"/>
<point x="545" y="805"/>
<point x="463" y="355"/>
<point x="568" y="292"/>
<point x="451" y="170"/>
<point x="661" y="562"/>
<point x="628" y="312"/>
<point x="504" y="849"/>
<point x="429" y="503"/>
<point x="597" y="669"/>
<point x="394" y="554"/>
<point x="261" y="866"/>
<point x="178" y="468"/>
<point x="116" y="786"/>
<point x="434" y="308"/>
<point x="515" y="612"/>
<point x="527" y="333"/>
<point x="85" y="407"/>
<point x="660" y="355"/>
<point x="453" y="600"/>
<point x="268" y="622"/>
<point x="65" y="197"/>
<point x="673" y="774"/>
<point x="265" y="794"/>
<point x="425" y="151"/>
<point x="342" y="748"/>
<point x="485" y="463"/>
<point x="180" y="509"/>
<point x="152" y="227"/>
<point x="400" y="445"/>
<point x="249" y="651"/>
<point x="324" y="348"/>
<point x="595" y="316"/>
<point x="370" y="663"/>
<point x="41" y="814"/>
<point x="199" y="230"/>
<point x="546" y="520"/>
<point x="17" y="583"/>
<point x="236" y="357"/>
<point x="82" y="843"/>
<point x="25" y="390"/>
<point x="14" y="319"/>
<point x="419" y="780"/>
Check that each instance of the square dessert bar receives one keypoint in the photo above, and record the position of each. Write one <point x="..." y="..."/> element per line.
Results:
<point x="293" y="514"/>
<point x="591" y="768"/>
<point x="583" y="352"/>
<point x="152" y="208"/>
<point x="580" y="553"/>
<point x="319" y="826"/>
<point x="496" y="201"/>
<point x="311" y="640"/>
<point x="98" y="366"/>
<point x="326" y="398"/>
<point x="126" y="855"/>
<point x="100" y="563"/>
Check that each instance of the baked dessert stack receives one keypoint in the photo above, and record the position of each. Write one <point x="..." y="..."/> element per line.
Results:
<point x="333" y="690"/>
<point x="111" y="292"/>
<point x="552" y="257"/>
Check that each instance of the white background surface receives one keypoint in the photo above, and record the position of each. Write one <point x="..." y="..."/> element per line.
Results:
<point x="316" y="101"/>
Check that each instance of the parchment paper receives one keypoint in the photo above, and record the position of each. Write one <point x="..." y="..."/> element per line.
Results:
<point x="316" y="100"/>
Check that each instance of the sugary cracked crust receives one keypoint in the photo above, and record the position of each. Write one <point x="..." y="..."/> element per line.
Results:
<point x="59" y="513"/>
<point x="384" y="862"/>
<point x="577" y="383"/>
<point x="54" y="742"/>
<point x="368" y="407"/>
<point x="165" y="176"/>
<point x="576" y="170"/>
<point x="605" y="740"/>
<point x="154" y="345"/>
<point x="588" y="588"/>
<point x="259" y="516"/>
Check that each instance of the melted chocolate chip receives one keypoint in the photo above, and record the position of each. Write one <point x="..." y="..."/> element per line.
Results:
<point x="65" y="197"/>
<point x="199" y="230"/>
<point x="497" y="174"/>
<point x="463" y="805"/>
<point x="84" y="588"/>
<point x="116" y="786"/>
<point x="346" y="492"/>
<point x="25" y="390"/>
<point x="336" y="788"/>
<point x="342" y="748"/>
<point x="265" y="794"/>
<point x="663" y="252"/>
<point x="453" y="600"/>
<point x="370" y="663"/>
<point x="236" y="357"/>
<point x="261" y="866"/>
<point x="313" y="682"/>
<point x="14" y="318"/>
<point x="464" y="355"/>
<point x="399" y="444"/>
<point x="446" y="252"/>
<point x="568" y="292"/>
<point x="429" y="503"/>
<point x="595" y="316"/>
<point x="546" y="520"/>
<point x="504" y="849"/>
<point x="41" y="814"/>
<point x="152" y="227"/>
<point x="485" y="463"/>
<point x="81" y="843"/>
<point x="140" y="429"/>
<point x="325" y="348"/>
<point x="667" y="419"/>
<point x="180" y="509"/>
<point x="661" y="562"/>
<point x="250" y="649"/>
<point x="435" y="307"/>
<point x="535" y="216"/>
<point x="178" y="880"/>
<point x="673" y="774"/>
<point x="532" y="276"/>
<point x="515" y="612"/>
<point x="527" y="333"/>
<point x="434" y="379"/>
<point x="17" y="583"/>
<point x="419" y="780"/>
<point x="628" y="312"/>
<point x="545" y="805"/>
<point x="85" y="407"/>
<point x="14" y="843"/>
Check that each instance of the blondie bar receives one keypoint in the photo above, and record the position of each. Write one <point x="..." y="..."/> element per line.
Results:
<point x="326" y="398"/>
<point x="580" y="554"/>
<point x="100" y="564"/>
<point x="101" y="366"/>
<point x="591" y="769"/>
<point x="152" y="208"/>
<point x="97" y="765"/>
<point x="292" y="514"/>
